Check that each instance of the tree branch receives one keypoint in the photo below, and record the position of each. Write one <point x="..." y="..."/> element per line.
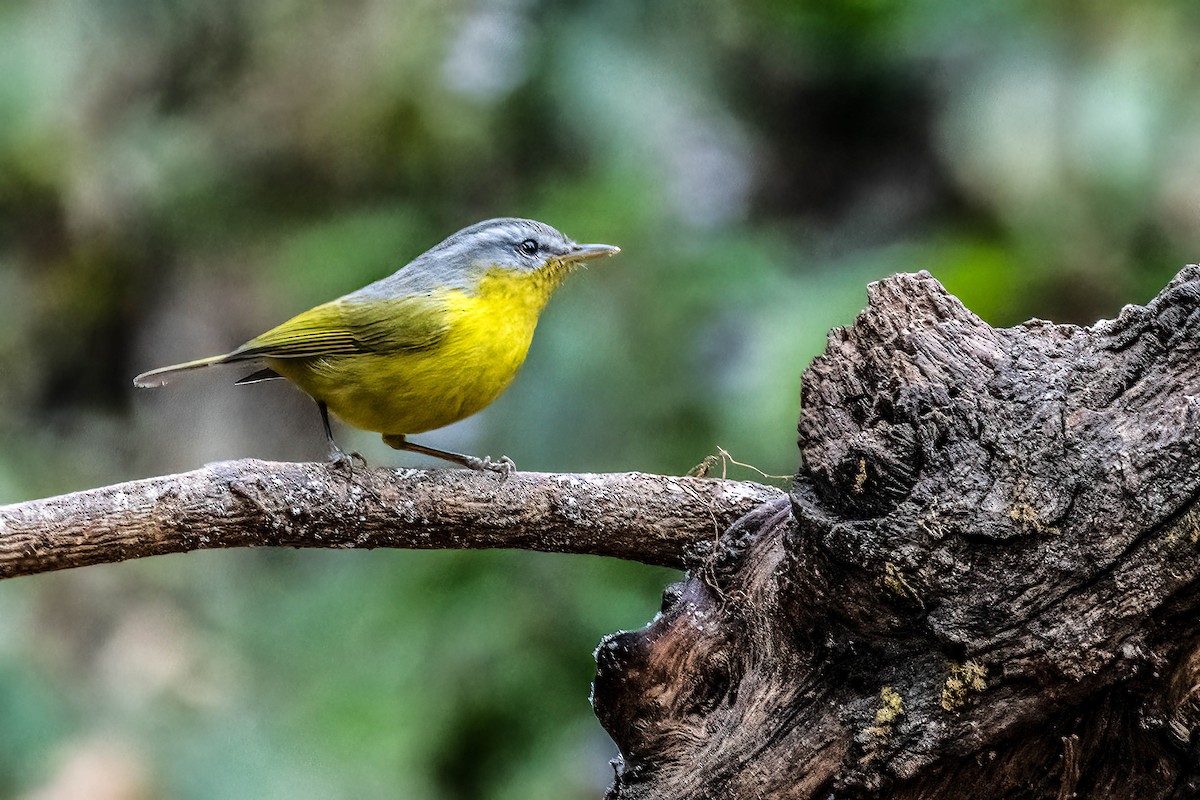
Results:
<point x="654" y="519"/>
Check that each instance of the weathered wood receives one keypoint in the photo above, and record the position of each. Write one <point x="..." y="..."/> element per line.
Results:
<point x="985" y="584"/>
<point x="655" y="519"/>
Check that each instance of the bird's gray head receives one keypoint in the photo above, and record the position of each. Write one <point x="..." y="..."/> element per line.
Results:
<point x="522" y="245"/>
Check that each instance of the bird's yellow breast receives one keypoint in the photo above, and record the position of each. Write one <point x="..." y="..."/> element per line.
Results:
<point x="405" y="392"/>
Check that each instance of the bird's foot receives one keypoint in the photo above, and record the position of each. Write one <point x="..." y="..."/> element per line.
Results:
<point x="340" y="459"/>
<point x="503" y="465"/>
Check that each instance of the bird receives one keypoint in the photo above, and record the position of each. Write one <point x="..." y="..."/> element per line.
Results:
<point x="433" y="343"/>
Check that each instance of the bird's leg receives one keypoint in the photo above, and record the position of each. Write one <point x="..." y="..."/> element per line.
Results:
<point x="337" y="456"/>
<point x="504" y="465"/>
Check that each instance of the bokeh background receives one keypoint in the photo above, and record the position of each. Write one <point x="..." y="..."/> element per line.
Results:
<point x="178" y="175"/>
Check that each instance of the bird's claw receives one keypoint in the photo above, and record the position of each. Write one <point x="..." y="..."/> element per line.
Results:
<point x="503" y="465"/>
<point x="340" y="459"/>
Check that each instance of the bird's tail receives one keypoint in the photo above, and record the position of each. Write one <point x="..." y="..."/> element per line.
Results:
<point x="163" y="375"/>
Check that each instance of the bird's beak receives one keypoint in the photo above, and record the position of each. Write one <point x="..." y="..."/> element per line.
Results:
<point x="586" y="252"/>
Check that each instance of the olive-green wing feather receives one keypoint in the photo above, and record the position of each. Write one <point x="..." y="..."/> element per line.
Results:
<point x="345" y="327"/>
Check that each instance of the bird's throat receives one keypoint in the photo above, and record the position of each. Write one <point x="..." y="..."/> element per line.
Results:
<point x="522" y="292"/>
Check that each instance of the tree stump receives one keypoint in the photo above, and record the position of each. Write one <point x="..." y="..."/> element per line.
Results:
<point x="982" y="585"/>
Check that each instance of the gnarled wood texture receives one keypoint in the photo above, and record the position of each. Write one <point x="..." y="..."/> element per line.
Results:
<point x="984" y="584"/>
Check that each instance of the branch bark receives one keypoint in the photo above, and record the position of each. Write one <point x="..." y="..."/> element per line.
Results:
<point x="654" y="519"/>
<point x="986" y="583"/>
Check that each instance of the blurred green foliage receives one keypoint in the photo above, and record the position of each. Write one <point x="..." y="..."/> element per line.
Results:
<point x="178" y="175"/>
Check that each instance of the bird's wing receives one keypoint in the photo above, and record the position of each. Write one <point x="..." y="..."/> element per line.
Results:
<point x="347" y="327"/>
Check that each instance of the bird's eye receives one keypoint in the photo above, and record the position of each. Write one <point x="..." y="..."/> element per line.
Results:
<point x="529" y="247"/>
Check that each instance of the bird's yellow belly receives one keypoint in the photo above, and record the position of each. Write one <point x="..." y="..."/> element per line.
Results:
<point x="412" y="391"/>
